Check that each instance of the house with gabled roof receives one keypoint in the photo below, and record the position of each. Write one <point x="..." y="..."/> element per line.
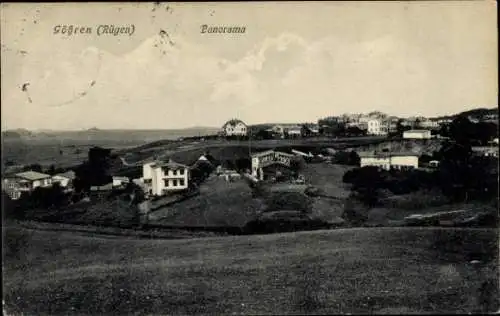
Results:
<point x="234" y="127"/>
<point x="161" y="177"/>
<point x="26" y="181"/>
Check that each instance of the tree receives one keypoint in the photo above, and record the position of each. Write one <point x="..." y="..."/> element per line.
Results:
<point x="485" y="132"/>
<point x="346" y="158"/>
<point x="95" y="171"/>
<point x="305" y="131"/>
<point x="33" y="167"/>
<point x="366" y="182"/>
<point x="243" y="164"/>
<point x="263" y="134"/>
<point x="51" y="170"/>
<point x="461" y="130"/>
<point x="400" y="128"/>
<point x="355" y="131"/>
<point x="297" y="164"/>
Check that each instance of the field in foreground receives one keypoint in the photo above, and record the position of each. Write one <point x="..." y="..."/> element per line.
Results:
<point x="382" y="270"/>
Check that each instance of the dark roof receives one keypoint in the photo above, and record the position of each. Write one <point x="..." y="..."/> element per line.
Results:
<point x="171" y="165"/>
<point x="233" y="122"/>
<point x="367" y="154"/>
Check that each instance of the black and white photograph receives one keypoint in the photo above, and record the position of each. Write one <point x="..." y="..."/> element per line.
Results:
<point x="250" y="158"/>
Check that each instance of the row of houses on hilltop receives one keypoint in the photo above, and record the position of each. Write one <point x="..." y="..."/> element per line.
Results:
<point x="237" y="128"/>
<point x="28" y="181"/>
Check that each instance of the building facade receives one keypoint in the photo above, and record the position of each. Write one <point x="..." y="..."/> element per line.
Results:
<point x="389" y="161"/>
<point x="235" y="127"/>
<point x="159" y="178"/>
<point x="429" y="124"/>
<point x="417" y="134"/>
<point x="26" y="181"/>
<point x="267" y="158"/>
<point x="487" y="151"/>
<point x="65" y="179"/>
<point x="377" y="127"/>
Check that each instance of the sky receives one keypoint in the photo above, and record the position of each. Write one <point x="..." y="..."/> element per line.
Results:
<point x="296" y="62"/>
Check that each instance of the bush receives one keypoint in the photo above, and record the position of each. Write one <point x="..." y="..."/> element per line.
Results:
<point x="288" y="201"/>
<point x="346" y="158"/>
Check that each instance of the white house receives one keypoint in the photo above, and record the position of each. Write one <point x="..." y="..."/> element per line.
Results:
<point x="162" y="177"/>
<point x="429" y="124"/>
<point x="417" y="134"/>
<point x="120" y="181"/>
<point x="376" y="127"/>
<point x="279" y="130"/>
<point x="388" y="160"/>
<point x="25" y="182"/>
<point x="294" y="131"/>
<point x="486" y="151"/>
<point x="266" y="158"/>
<point x="64" y="179"/>
<point x="235" y="127"/>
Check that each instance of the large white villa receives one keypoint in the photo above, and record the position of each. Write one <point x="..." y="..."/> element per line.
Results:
<point x="160" y="178"/>
<point x="235" y="127"/>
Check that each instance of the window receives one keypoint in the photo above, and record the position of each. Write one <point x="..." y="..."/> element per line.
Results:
<point x="166" y="182"/>
<point x="181" y="172"/>
<point x="182" y="182"/>
<point x="174" y="184"/>
<point x="174" y="172"/>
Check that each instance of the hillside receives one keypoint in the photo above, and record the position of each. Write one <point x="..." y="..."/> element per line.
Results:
<point x="324" y="272"/>
<point x="95" y="134"/>
<point x="478" y="112"/>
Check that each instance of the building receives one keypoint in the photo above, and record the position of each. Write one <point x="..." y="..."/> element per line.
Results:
<point x="278" y="130"/>
<point x="235" y="127"/>
<point x="429" y="124"/>
<point x="294" y="131"/>
<point x="417" y="134"/>
<point x="27" y="181"/>
<point x="487" y="151"/>
<point x="444" y="121"/>
<point x="120" y="181"/>
<point x="392" y="124"/>
<point x="65" y="179"/>
<point x="389" y="160"/>
<point x="266" y="158"/>
<point x="160" y="178"/>
<point x="376" y="127"/>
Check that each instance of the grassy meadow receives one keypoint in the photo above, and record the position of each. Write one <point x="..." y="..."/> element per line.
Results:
<point x="378" y="270"/>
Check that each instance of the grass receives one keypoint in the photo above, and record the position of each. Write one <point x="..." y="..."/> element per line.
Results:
<point x="220" y="203"/>
<point x="321" y="272"/>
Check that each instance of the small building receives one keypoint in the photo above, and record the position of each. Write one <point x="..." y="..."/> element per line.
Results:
<point x="278" y="130"/>
<point x="389" y="160"/>
<point x="102" y="188"/>
<point x="235" y="127"/>
<point x="376" y="127"/>
<point x="120" y="181"/>
<point x="417" y="134"/>
<point x="160" y="178"/>
<point x="429" y="124"/>
<point x="294" y="131"/>
<point x="486" y="151"/>
<point x="27" y="181"/>
<point x="64" y="179"/>
<point x="266" y="158"/>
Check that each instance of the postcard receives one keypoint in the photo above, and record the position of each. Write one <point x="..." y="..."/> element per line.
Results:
<point x="178" y="158"/>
